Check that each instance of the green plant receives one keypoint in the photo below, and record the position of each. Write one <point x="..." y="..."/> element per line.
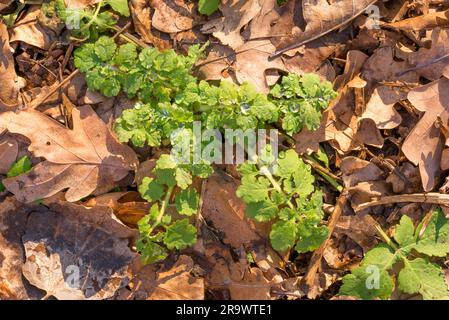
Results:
<point x="208" y="7"/>
<point x="87" y="23"/>
<point x="411" y="259"/>
<point x="286" y="195"/>
<point x="169" y="100"/>
<point x="22" y="165"/>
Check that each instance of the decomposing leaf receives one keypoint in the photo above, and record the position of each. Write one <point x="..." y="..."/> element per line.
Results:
<point x="425" y="21"/>
<point x="356" y="170"/>
<point x="85" y="160"/>
<point x="76" y="253"/>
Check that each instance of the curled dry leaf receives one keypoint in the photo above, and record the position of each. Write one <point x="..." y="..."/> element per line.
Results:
<point x="424" y="144"/>
<point x="236" y="15"/>
<point x="10" y="85"/>
<point x="128" y="206"/>
<point x="29" y="30"/>
<point x="425" y="21"/>
<point x="87" y="159"/>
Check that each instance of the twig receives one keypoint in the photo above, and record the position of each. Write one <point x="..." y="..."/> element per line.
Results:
<point x="433" y="197"/>
<point x="318" y="254"/>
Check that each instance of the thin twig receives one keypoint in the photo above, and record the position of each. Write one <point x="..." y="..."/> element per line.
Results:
<point x="433" y="197"/>
<point x="318" y="254"/>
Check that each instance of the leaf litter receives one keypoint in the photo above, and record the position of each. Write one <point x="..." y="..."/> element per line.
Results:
<point x="70" y="182"/>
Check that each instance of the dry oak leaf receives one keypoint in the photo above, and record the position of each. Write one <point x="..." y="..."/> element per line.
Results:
<point x="10" y="84"/>
<point x="252" y="63"/>
<point x="236" y="15"/>
<point x="355" y="170"/>
<point x="320" y="18"/>
<point x="173" y="16"/>
<point x="29" y="30"/>
<point x="432" y="63"/>
<point x="87" y="159"/>
<point x="424" y="144"/>
<point x="77" y="253"/>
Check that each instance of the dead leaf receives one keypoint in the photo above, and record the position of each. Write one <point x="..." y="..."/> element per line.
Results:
<point x="425" y="21"/>
<point x="172" y="16"/>
<point x="424" y="144"/>
<point x="359" y="229"/>
<point x="85" y="160"/>
<point x="320" y="18"/>
<point x="76" y="253"/>
<point x="252" y="62"/>
<point x="9" y="149"/>
<point x="128" y="206"/>
<point x="356" y="170"/>
<point x="236" y="14"/>
<point x="28" y="30"/>
<point x="433" y="62"/>
<point x="9" y="90"/>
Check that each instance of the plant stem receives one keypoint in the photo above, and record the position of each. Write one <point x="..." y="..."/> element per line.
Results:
<point x="162" y="210"/>
<point x="384" y="236"/>
<point x="264" y="170"/>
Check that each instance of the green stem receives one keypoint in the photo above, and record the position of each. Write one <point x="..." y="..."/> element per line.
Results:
<point x="266" y="172"/>
<point x="162" y="210"/>
<point x="385" y="237"/>
<point x="94" y="17"/>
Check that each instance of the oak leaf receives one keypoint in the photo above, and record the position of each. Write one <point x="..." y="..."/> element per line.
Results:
<point x="87" y="159"/>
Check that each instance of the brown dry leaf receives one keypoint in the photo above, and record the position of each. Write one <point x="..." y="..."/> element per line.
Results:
<point x="365" y="191"/>
<point x="9" y="149"/>
<point x="355" y="170"/>
<point x="223" y="210"/>
<point x="10" y="84"/>
<point x="252" y="62"/>
<point x="236" y="15"/>
<point x="359" y="229"/>
<point x="320" y="18"/>
<point x="128" y="206"/>
<point x="380" y="108"/>
<point x="424" y="144"/>
<point x="85" y="160"/>
<point x="426" y="21"/>
<point x="77" y="253"/>
<point x="174" y="282"/>
<point x="172" y="16"/>
<point x="433" y="62"/>
<point x="141" y="15"/>
<point x="219" y="59"/>
<point x="28" y="30"/>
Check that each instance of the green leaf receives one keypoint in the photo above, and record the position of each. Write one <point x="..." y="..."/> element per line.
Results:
<point x="283" y="235"/>
<point x="208" y="7"/>
<point x="434" y="241"/>
<point x="371" y="279"/>
<point x="253" y="189"/>
<point x="105" y="48"/>
<point x="121" y="6"/>
<point x="21" y="166"/>
<point x="262" y="211"/>
<point x="187" y="202"/>
<point x="180" y="235"/>
<point x="310" y="237"/>
<point x="424" y="277"/>
<point x="403" y="233"/>
<point x="150" y="189"/>
<point x="151" y="251"/>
